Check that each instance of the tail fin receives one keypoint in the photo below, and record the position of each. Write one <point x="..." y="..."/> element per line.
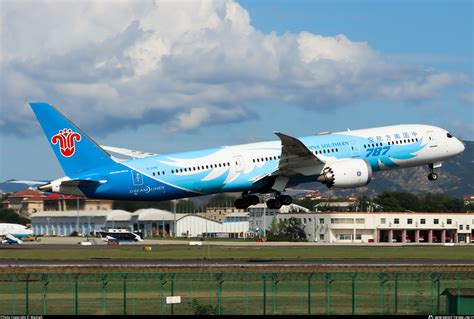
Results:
<point x="75" y="150"/>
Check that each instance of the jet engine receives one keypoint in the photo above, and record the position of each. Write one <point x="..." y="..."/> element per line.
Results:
<point x="346" y="173"/>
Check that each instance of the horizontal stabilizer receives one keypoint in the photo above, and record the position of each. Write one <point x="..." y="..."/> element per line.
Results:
<point x="27" y="182"/>
<point x="53" y="186"/>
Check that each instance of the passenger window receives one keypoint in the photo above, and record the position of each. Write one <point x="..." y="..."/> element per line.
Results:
<point x="153" y="173"/>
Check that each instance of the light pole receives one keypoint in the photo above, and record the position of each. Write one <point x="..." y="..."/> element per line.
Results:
<point x="174" y="213"/>
<point x="264" y="222"/>
<point x="77" y="218"/>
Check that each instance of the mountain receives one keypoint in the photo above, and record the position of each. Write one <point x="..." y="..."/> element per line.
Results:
<point x="455" y="178"/>
<point x="9" y="187"/>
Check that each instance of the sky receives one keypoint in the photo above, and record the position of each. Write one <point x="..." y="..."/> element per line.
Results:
<point x="168" y="76"/>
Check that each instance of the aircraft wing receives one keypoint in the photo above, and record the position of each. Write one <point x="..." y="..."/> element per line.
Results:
<point x="295" y="159"/>
<point x="13" y="238"/>
<point x="295" y="155"/>
<point x="127" y="152"/>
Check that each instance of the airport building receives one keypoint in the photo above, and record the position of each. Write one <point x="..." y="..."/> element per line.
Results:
<point x="261" y="217"/>
<point x="219" y="213"/>
<point x="391" y="227"/>
<point x="28" y="201"/>
<point x="152" y="222"/>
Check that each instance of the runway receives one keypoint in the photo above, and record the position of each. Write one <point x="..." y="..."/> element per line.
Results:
<point x="232" y="263"/>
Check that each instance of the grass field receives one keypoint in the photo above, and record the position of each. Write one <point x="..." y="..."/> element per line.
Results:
<point x="176" y="252"/>
<point x="235" y="293"/>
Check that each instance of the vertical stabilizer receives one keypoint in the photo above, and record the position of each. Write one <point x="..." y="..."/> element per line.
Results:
<point x="75" y="150"/>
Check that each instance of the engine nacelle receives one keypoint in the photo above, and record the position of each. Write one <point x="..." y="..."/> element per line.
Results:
<point x="347" y="173"/>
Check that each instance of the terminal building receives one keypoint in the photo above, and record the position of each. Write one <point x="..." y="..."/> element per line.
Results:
<point x="152" y="222"/>
<point x="390" y="227"/>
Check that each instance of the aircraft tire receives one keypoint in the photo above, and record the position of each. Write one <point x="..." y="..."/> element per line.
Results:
<point x="238" y="203"/>
<point x="286" y="200"/>
<point x="277" y="204"/>
<point x="271" y="203"/>
<point x="254" y="200"/>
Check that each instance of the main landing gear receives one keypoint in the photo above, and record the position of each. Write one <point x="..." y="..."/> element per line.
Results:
<point x="246" y="201"/>
<point x="274" y="203"/>
<point x="432" y="176"/>
<point x="278" y="201"/>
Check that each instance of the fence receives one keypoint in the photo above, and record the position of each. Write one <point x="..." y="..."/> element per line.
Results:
<point x="230" y="293"/>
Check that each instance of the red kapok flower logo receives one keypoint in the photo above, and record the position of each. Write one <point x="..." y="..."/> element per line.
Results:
<point x="66" y="139"/>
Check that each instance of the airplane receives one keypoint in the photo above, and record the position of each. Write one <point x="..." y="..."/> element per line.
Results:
<point x="346" y="159"/>
<point x="13" y="233"/>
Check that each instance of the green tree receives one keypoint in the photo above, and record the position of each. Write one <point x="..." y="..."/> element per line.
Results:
<point x="8" y="215"/>
<point x="441" y="203"/>
<point x="221" y="200"/>
<point x="397" y="201"/>
<point x="286" y="230"/>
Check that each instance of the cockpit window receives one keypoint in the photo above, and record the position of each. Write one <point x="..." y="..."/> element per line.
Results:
<point x="449" y="135"/>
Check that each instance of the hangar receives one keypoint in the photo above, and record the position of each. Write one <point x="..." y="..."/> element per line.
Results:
<point x="152" y="222"/>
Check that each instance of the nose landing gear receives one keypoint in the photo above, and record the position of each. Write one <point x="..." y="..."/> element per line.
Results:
<point x="432" y="176"/>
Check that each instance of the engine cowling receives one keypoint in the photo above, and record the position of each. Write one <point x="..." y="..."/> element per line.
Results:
<point x="348" y="173"/>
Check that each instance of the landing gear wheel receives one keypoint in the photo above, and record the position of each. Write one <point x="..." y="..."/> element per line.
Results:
<point x="432" y="176"/>
<point x="271" y="203"/>
<point x="241" y="203"/>
<point x="253" y="200"/>
<point x="286" y="200"/>
<point x="277" y="204"/>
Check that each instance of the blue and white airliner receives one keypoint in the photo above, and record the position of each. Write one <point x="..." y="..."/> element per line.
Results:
<point x="14" y="233"/>
<point x="345" y="159"/>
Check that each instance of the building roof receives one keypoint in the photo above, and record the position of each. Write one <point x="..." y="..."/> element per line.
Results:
<point x="463" y="292"/>
<point x="118" y="215"/>
<point x="35" y="199"/>
<point x="55" y="196"/>
<point x="155" y="214"/>
<point x="72" y="213"/>
<point x="26" y="192"/>
<point x="237" y="214"/>
<point x="283" y="209"/>
<point x="445" y="214"/>
<point x="182" y="216"/>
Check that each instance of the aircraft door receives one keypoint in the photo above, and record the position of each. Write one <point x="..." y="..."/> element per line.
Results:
<point x="137" y="178"/>
<point x="432" y="139"/>
<point x="355" y="149"/>
<point x="239" y="163"/>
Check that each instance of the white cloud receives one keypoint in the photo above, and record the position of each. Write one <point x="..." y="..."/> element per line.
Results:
<point x="183" y="64"/>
